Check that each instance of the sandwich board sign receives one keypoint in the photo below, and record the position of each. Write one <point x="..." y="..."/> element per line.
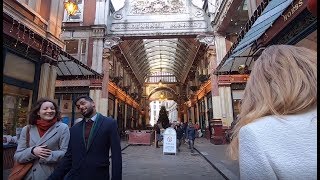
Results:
<point x="169" y="141"/>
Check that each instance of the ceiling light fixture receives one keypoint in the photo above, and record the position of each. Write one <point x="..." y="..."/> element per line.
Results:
<point x="71" y="7"/>
<point x="162" y="96"/>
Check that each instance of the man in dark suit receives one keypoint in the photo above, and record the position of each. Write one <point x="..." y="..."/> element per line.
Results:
<point x="87" y="156"/>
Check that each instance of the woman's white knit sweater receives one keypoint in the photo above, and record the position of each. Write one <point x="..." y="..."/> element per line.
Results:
<point x="279" y="148"/>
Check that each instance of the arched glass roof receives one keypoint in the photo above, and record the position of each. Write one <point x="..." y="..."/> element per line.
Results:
<point x="149" y="56"/>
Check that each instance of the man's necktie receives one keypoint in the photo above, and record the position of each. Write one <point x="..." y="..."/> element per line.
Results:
<point x="88" y="127"/>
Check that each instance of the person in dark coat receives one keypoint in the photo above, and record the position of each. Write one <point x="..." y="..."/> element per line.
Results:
<point x="87" y="156"/>
<point x="180" y="132"/>
<point x="185" y="126"/>
<point x="191" y="135"/>
<point x="158" y="135"/>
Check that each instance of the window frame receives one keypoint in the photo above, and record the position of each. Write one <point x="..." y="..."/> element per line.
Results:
<point x="79" y="54"/>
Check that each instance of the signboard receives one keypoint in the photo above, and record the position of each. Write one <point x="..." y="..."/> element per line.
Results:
<point x="169" y="141"/>
<point x="156" y="17"/>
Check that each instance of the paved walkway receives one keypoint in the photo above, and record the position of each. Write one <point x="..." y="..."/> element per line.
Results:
<point x="216" y="154"/>
<point x="6" y="172"/>
<point x="148" y="162"/>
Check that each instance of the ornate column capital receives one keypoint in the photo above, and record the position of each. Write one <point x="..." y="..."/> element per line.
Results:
<point x="106" y="53"/>
<point x="206" y="39"/>
<point x="211" y="52"/>
<point x="110" y="42"/>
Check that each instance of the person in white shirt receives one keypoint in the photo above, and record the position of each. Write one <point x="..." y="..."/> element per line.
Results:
<point x="276" y="135"/>
<point x="77" y="120"/>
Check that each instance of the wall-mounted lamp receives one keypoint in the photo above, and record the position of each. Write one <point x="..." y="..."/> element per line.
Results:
<point x="243" y="69"/>
<point x="71" y="7"/>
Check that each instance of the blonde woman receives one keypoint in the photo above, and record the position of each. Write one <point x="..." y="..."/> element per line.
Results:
<point x="276" y="136"/>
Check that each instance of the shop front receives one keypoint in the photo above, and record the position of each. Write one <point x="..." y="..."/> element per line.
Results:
<point x="111" y="105"/>
<point x="21" y="74"/>
<point x="237" y="91"/>
<point x="23" y="84"/>
<point x="20" y="86"/>
<point x="65" y="100"/>
<point x="209" y="114"/>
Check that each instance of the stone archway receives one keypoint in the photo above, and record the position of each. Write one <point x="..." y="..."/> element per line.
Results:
<point x="167" y="89"/>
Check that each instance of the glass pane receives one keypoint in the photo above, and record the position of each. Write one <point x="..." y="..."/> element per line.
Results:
<point x="72" y="46"/>
<point x="16" y="104"/>
<point x="83" y="46"/>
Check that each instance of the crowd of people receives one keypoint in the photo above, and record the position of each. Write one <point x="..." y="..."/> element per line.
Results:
<point x="185" y="133"/>
<point x="274" y="137"/>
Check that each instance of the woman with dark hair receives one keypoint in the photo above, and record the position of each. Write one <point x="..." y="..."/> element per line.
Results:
<point x="48" y="142"/>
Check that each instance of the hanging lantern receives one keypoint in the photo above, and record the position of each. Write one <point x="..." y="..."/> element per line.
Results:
<point x="71" y="7"/>
<point x="161" y="96"/>
<point x="312" y="7"/>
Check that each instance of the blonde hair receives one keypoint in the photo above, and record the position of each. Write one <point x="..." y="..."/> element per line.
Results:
<point x="283" y="81"/>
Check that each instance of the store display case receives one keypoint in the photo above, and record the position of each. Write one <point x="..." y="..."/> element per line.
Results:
<point x="16" y="105"/>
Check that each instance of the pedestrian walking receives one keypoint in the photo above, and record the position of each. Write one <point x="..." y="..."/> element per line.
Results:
<point x="158" y="134"/>
<point x="179" y="131"/>
<point x="48" y="140"/>
<point x="184" y="134"/>
<point x="91" y="139"/>
<point x="276" y="134"/>
<point x="185" y="127"/>
<point x="191" y="135"/>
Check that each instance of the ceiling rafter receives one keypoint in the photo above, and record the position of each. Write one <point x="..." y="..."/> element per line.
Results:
<point x="145" y="56"/>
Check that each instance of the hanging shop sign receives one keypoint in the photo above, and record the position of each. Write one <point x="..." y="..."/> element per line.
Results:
<point x="150" y="18"/>
<point x="292" y="10"/>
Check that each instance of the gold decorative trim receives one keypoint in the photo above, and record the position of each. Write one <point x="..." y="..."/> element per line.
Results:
<point x="120" y="94"/>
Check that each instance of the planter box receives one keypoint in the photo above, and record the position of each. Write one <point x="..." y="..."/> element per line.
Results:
<point x="218" y="140"/>
<point x="144" y="137"/>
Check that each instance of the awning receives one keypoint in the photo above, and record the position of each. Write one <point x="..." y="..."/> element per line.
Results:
<point x="244" y="51"/>
<point x="71" y="68"/>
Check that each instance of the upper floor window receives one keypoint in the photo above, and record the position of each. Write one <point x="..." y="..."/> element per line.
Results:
<point x="163" y="76"/>
<point x="77" y="48"/>
<point x="77" y="17"/>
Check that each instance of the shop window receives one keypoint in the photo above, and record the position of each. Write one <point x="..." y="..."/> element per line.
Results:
<point x="16" y="105"/>
<point x="236" y="107"/>
<point x="110" y="107"/>
<point x="77" y="48"/>
<point x="72" y="46"/>
<point x="209" y="104"/>
<point x="66" y="108"/>
<point x="83" y="45"/>
<point x="78" y="16"/>
<point x="19" y="68"/>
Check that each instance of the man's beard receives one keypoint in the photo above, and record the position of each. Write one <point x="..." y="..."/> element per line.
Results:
<point x="88" y="113"/>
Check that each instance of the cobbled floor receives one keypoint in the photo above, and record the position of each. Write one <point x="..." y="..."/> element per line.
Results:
<point x="148" y="162"/>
